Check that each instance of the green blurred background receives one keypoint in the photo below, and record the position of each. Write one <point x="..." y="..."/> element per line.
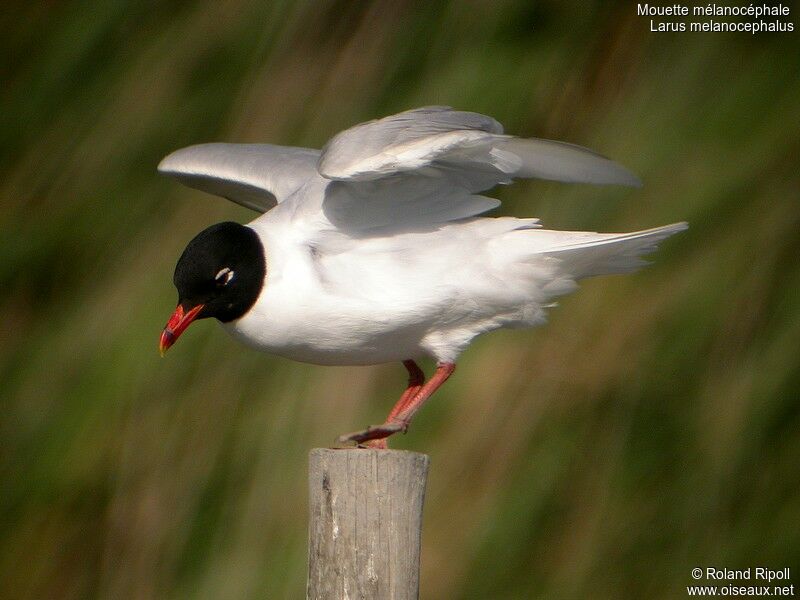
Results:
<point x="651" y="427"/>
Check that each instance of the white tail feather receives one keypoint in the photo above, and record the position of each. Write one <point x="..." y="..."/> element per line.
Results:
<point x="590" y="254"/>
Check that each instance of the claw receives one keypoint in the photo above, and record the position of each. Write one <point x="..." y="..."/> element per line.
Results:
<point x="375" y="432"/>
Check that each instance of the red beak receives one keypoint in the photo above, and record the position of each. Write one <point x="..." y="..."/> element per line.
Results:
<point x="177" y="323"/>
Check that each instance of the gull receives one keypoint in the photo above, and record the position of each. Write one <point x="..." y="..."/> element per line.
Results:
<point x="376" y="249"/>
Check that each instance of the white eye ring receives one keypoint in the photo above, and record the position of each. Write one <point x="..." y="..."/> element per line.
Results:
<point x="224" y="276"/>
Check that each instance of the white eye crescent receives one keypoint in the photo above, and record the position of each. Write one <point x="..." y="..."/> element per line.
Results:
<point x="224" y="276"/>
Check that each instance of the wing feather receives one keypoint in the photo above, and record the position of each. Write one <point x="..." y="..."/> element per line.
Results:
<point x="427" y="166"/>
<point x="418" y="168"/>
<point x="257" y="176"/>
<point x="441" y="137"/>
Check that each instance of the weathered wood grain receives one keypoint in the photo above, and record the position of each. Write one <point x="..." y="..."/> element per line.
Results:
<point x="365" y="519"/>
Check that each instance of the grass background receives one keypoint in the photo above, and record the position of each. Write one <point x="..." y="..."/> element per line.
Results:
<point x="651" y="427"/>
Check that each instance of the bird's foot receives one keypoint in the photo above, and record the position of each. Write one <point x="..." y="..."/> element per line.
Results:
<point x="374" y="436"/>
<point x="381" y="444"/>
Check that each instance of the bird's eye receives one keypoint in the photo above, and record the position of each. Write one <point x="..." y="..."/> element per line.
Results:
<point x="224" y="276"/>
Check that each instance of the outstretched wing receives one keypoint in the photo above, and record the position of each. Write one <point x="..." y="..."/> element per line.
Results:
<point x="443" y="138"/>
<point x="426" y="166"/>
<point x="417" y="168"/>
<point x="257" y="176"/>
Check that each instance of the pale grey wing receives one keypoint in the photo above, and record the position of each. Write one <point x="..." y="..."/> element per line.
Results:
<point x="400" y="202"/>
<point x="534" y="158"/>
<point x="425" y="166"/>
<point x="401" y="142"/>
<point x="442" y="138"/>
<point x="257" y="176"/>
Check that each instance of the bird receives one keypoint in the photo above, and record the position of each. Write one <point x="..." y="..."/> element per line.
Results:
<point x="377" y="248"/>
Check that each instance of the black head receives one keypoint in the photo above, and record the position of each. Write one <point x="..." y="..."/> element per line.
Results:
<point x="220" y="275"/>
<point x="223" y="270"/>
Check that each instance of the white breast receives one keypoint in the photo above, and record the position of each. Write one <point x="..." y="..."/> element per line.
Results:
<point x="304" y="314"/>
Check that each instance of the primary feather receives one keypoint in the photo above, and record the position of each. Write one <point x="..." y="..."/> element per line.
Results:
<point x="257" y="176"/>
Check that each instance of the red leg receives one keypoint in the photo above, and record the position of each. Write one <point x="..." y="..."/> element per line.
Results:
<point x="415" y="380"/>
<point x="404" y="414"/>
<point x="442" y="374"/>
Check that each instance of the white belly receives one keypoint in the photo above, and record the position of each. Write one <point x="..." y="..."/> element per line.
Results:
<point x="327" y="337"/>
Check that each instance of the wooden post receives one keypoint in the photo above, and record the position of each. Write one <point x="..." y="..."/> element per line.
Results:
<point x="365" y="519"/>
